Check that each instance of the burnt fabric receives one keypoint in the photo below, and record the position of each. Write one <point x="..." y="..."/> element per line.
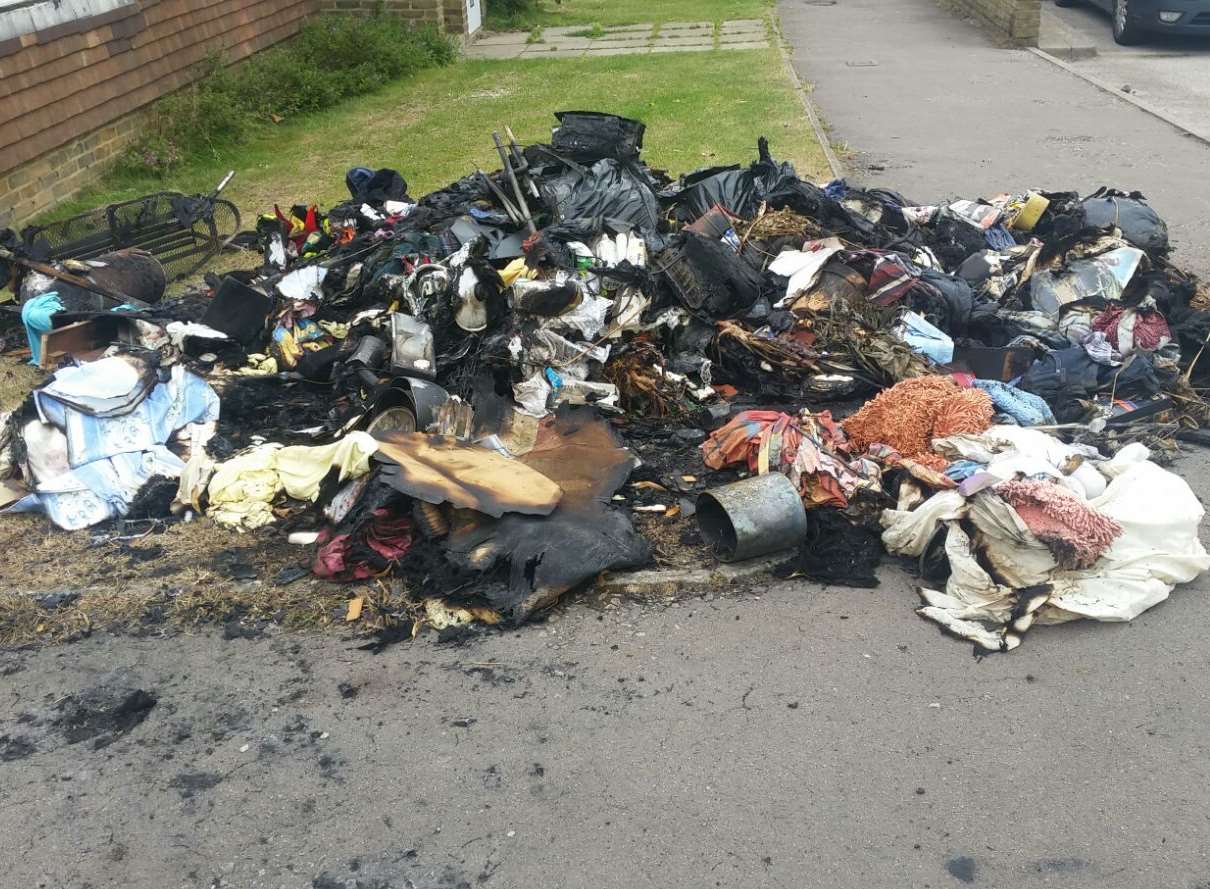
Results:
<point x="1062" y="377"/>
<point x="891" y="277"/>
<point x="1065" y="376"/>
<point x="438" y="208"/>
<point x="824" y="471"/>
<point x="529" y="561"/>
<point x="369" y="550"/>
<point x="836" y="552"/>
<point x="1139" y="224"/>
<point x="894" y="280"/>
<point x="376" y="188"/>
<point x="945" y="300"/>
<point x="954" y="239"/>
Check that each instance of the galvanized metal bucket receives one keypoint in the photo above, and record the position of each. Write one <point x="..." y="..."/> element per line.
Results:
<point x="759" y="515"/>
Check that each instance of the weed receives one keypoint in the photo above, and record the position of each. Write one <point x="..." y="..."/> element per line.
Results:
<point x="333" y="58"/>
<point x="595" y="31"/>
<point x="505" y="15"/>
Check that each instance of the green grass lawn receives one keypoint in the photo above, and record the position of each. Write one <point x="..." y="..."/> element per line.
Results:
<point x="701" y="109"/>
<point x="629" y="12"/>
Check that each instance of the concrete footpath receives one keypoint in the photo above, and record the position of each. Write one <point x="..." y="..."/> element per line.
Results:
<point x="935" y="109"/>
<point x="573" y="42"/>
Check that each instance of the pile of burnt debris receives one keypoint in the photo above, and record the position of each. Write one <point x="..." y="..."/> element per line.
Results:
<point x="577" y="364"/>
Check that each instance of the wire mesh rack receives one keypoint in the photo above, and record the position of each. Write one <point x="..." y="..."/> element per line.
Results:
<point x="181" y="231"/>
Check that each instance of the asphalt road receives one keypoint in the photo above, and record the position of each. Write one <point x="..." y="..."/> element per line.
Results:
<point x="793" y="736"/>
<point x="788" y="736"/>
<point x="1170" y="73"/>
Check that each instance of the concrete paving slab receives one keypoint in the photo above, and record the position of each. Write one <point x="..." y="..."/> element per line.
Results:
<point x="686" y="26"/>
<point x="685" y="41"/>
<point x="744" y="37"/>
<point x="617" y="51"/>
<point x="663" y="47"/>
<point x="563" y="30"/>
<point x="742" y="25"/>
<point x="503" y="38"/>
<point x="625" y="29"/>
<point x="554" y="54"/>
<point x="759" y="29"/>
<point x="751" y="44"/>
<point x="622" y="44"/>
<point x="500" y="51"/>
<point x="623" y="37"/>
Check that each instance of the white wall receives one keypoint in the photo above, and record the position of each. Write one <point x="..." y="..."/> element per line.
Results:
<point x="19" y="17"/>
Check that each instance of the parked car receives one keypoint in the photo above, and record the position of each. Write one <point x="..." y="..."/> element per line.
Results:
<point x="1133" y="20"/>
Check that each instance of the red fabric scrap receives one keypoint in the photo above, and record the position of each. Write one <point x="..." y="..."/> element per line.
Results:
<point x="371" y="549"/>
<point x="1128" y="329"/>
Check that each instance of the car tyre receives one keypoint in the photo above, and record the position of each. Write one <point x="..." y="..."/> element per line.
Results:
<point x="1066" y="3"/>
<point x="1126" y="32"/>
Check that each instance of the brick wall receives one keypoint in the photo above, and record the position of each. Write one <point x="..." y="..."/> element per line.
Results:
<point x="448" y="15"/>
<point x="1016" y="20"/>
<point x="70" y="94"/>
<point x="40" y="184"/>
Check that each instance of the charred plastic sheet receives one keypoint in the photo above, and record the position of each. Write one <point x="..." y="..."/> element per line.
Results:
<point x="544" y="558"/>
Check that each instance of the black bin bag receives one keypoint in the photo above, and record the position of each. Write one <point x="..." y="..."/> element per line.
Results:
<point x="589" y="136"/>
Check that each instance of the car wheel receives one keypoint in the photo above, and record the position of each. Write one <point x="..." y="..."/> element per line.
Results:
<point x="1066" y="3"/>
<point x="1125" y="30"/>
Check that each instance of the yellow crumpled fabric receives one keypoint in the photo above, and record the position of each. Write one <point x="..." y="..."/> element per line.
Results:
<point x="335" y="329"/>
<point x="258" y="366"/>
<point x="242" y="489"/>
<point x="515" y="270"/>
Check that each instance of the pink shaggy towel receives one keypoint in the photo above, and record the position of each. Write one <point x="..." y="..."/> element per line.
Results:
<point x="1075" y="532"/>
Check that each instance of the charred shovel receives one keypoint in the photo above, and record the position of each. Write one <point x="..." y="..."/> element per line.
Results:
<point x="522" y="165"/>
<point x="512" y="178"/>
<point x="513" y="213"/>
